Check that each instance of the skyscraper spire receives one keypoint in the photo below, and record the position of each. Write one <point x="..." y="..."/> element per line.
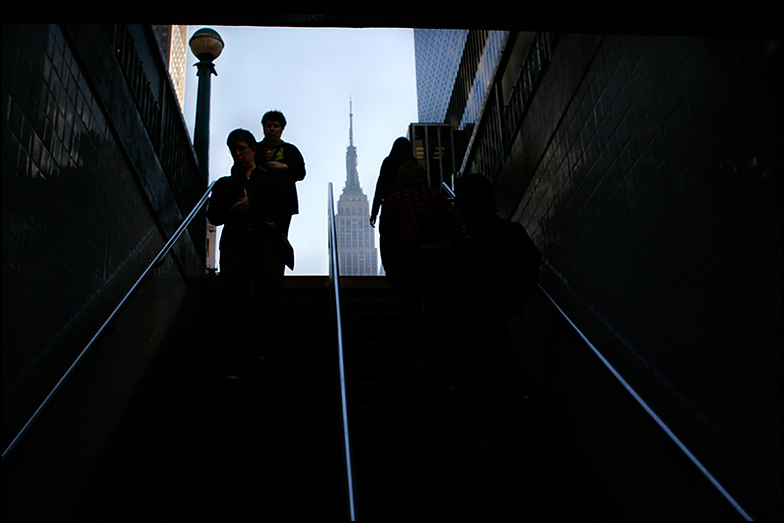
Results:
<point x="355" y="238"/>
<point x="352" y="175"/>
<point x="350" y="123"/>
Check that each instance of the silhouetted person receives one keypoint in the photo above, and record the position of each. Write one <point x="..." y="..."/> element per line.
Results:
<point x="387" y="185"/>
<point x="501" y="272"/>
<point x="508" y="260"/>
<point x="412" y="216"/>
<point x="284" y="160"/>
<point x="250" y="205"/>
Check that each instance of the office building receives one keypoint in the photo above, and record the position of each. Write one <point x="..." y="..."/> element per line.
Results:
<point x="437" y="54"/>
<point x="439" y="149"/>
<point x="173" y="40"/>
<point x="454" y="70"/>
<point x="356" y="240"/>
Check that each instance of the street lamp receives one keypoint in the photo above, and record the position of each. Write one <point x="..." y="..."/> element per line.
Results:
<point x="206" y="44"/>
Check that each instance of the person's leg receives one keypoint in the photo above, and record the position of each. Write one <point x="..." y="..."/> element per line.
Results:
<point x="236" y="276"/>
<point x="268" y="271"/>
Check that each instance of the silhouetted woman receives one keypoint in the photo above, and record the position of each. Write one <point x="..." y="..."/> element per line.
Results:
<point x="387" y="184"/>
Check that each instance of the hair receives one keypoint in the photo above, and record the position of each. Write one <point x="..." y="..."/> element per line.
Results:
<point x="241" y="135"/>
<point x="401" y="150"/>
<point x="411" y="174"/>
<point x="276" y="116"/>
<point x="474" y="193"/>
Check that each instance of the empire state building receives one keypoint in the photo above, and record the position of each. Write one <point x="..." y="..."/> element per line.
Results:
<point x="356" y="242"/>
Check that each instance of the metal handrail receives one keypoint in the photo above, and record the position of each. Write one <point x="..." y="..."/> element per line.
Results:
<point x="448" y="190"/>
<point x="334" y="277"/>
<point x="161" y="254"/>
<point x="705" y="472"/>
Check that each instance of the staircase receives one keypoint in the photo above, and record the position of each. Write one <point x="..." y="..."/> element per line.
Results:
<point x="422" y="450"/>
<point x="270" y="443"/>
<point x="198" y="443"/>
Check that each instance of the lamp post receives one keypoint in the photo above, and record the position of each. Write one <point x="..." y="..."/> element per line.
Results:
<point x="206" y="44"/>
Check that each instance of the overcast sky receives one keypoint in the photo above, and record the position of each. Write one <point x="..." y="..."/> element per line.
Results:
<point x="311" y="75"/>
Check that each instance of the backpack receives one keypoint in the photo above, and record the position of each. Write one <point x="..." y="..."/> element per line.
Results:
<point x="491" y="269"/>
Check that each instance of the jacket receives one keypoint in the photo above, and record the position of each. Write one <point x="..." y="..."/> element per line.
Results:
<point x="266" y="207"/>
<point x="289" y="154"/>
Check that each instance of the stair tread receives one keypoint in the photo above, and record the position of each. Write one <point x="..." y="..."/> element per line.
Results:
<point x="276" y="434"/>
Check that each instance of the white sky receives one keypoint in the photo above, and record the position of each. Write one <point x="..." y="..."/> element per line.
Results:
<point x="310" y="75"/>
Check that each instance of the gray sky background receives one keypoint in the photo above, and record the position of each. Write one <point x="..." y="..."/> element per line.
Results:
<point x="311" y="75"/>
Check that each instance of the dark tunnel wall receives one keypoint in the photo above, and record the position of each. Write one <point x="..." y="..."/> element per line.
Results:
<point x="86" y="206"/>
<point x="648" y="170"/>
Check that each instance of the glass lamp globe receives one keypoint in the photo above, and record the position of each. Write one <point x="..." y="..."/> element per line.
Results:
<point x="206" y="44"/>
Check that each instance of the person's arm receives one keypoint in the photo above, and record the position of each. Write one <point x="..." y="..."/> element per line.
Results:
<point x="217" y="210"/>
<point x="378" y="196"/>
<point x="223" y="203"/>
<point x="293" y="165"/>
<point x="240" y="205"/>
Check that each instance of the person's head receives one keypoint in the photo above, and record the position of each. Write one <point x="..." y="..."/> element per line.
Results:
<point x="474" y="195"/>
<point x="273" y="123"/>
<point x="242" y="146"/>
<point x="411" y="174"/>
<point x="401" y="147"/>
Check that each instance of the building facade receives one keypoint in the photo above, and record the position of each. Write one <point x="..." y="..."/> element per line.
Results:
<point x="454" y="74"/>
<point x="356" y="241"/>
<point x="439" y="149"/>
<point x="454" y="71"/>
<point x="173" y="40"/>
<point x="437" y="56"/>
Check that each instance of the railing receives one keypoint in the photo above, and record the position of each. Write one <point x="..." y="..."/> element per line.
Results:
<point x="674" y="438"/>
<point x="496" y="129"/>
<point x="158" y="108"/>
<point x="493" y="135"/>
<point x="670" y="434"/>
<point x="446" y="189"/>
<point x="334" y="277"/>
<point x="153" y="264"/>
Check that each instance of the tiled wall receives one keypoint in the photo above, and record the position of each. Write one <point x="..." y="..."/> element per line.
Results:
<point x="656" y="199"/>
<point x="78" y="227"/>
